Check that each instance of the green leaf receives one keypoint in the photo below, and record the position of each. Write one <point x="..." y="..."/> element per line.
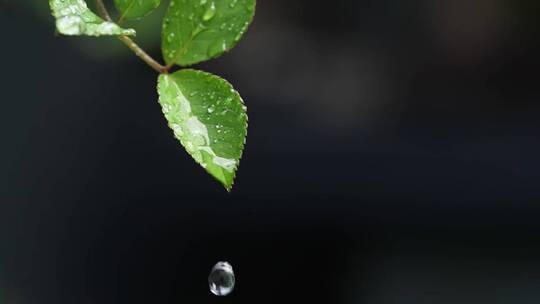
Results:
<point x="135" y="9"/>
<point x="208" y="117"/>
<point x="199" y="30"/>
<point x="73" y="18"/>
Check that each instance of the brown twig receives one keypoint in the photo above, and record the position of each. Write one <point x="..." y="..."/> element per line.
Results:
<point x="131" y="44"/>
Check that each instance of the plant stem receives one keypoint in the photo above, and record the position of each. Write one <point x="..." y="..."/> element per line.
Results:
<point x="143" y="55"/>
<point x="102" y="9"/>
<point x="131" y="44"/>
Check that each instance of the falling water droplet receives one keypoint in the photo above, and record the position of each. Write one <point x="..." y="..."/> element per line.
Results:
<point x="221" y="279"/>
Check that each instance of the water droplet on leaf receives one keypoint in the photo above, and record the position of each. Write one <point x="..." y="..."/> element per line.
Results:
<point x="210" y="12"/>
<point x="71" y="25"/>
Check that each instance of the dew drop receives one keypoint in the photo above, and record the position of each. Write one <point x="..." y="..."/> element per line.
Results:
<point x="217" y="48"/>
<point x="210" y="12"/>
<point x="199" y="29"/>
<point x="221" y="279"/>
<point x="71" y="25"/>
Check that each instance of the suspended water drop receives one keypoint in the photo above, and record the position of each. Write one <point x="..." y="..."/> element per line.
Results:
<point x="221" y="279"/>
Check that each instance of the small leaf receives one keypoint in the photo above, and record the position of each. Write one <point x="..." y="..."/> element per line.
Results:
<point x="73" y="18"/>
<point x="135" y="9"/>
<point x="208" y="117"/>
<point x="199" y="30"/>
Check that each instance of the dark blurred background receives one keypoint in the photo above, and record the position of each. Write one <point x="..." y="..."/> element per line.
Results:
<point x="392" y="157"/>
